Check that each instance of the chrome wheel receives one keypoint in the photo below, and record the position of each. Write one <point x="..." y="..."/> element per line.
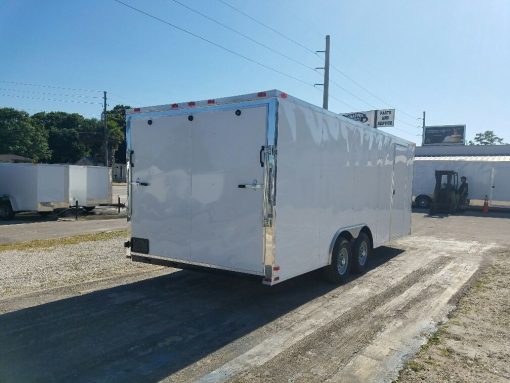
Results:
<point x="343" y="261"/>
<point x="363" y="253"/>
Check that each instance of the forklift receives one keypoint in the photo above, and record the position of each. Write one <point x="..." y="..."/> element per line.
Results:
<point x="446" y="197"/>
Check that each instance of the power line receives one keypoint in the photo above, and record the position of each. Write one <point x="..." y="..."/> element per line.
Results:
<point x="408" y="124"/>
<point x="244" y="35"/>
<point x="358" y="84"/>
<point x="300" y="45"/>
<point x="268" y="27"/>
<point x="48" y="86"/>
<point x="400" y="130"/>
<point x="50" y="99"/>
<point x="213" y="43"/>
<point x="352" y="94"/>
<point x="343" y="102"/>
<point x="47" y="93"/>
<point x="363" y="66"/>
<point x="370" y="92"/>
<point x="261" y="44"/>
<point x="315" y="53"/>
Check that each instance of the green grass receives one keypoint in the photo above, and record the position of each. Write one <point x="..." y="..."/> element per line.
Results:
<point x="445" y="351"/>
<point x="415" y="366"/>
<point x="52" y="242"/>
<point x="434" y="339"/>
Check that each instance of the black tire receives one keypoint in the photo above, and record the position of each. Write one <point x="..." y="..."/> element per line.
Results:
<point x="422" y="201"/>
<point x="361" y="251"/>
<point x="340" y="267"/>
<point x="89" y="208"/>
<point x="6" y="212"/>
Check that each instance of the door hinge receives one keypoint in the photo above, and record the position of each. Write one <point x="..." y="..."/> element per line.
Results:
<point x="270" y="150"/>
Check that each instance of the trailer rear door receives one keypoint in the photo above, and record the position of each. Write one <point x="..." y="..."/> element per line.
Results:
<point x="160" y="188"/>
<point x="226" y="219"/>
<point x="199" y="196"/>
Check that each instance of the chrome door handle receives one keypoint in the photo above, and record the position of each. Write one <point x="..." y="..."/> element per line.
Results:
<point x="253" y="186"/>
<point x="249" y="186"/>
<point x="140" y="183"/>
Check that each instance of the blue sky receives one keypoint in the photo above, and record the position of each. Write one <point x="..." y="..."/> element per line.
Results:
<point x="450" y="58"/>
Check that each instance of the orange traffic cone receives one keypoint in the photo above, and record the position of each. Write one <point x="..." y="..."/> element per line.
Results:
<point x="486" y="205"/>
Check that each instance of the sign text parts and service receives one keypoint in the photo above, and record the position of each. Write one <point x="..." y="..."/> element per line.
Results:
<point x="374" y="118"/>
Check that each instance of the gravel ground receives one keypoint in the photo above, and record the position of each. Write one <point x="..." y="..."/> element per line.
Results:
<point x="181" y="326"/>
<point x="25" y="271"/>
<point x="474" y="345"/>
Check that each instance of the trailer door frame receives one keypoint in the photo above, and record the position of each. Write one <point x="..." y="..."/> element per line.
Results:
<point x="268" y="195"/>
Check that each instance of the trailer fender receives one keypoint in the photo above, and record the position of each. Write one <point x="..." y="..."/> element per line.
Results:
<point x="350" y="233"/>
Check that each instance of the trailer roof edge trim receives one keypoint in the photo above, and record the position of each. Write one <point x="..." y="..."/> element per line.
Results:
<point x="247" y="98"/>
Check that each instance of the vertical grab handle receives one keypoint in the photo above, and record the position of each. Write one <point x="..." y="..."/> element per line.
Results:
<point x="260" y="156"/>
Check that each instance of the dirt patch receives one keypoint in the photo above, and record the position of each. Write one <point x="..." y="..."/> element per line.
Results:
<point x="474" y="345"/>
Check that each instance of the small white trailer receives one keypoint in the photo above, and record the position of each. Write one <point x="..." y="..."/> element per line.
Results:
<point x="43" y="188"/>
<point x="89" y="186"/>
<point x="33" y="187"/>
<point x="263" y="184"/>
<point x="486" y="176"/>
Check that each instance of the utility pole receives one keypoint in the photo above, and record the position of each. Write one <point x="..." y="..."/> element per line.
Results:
<point x="105" y="131"/>
<point x="325" y="84"/>
<point x="423" y="129"/>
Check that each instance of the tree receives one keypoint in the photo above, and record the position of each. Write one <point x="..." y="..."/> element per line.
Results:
<point x="118" y="114"/>
<point x="68" y="135"/>
<point x="62" y="137"/>
<point x="115" y="138"/>
<point x="486" y="138"/>
<point x="21" y="135"/>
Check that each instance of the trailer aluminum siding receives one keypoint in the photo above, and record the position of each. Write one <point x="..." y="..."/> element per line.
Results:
<point x="89" y="185"/>
<point x="322" y="174"/>
<point x="35" y="187"/>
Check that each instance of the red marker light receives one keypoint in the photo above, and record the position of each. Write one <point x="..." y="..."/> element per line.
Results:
<point x="261" y="94"/>
<point x="283" y="95"/>
<point x="175" y="106"/>
<point x="276" y="268"/>
<point x="191" y="103"/>
<point x="211" y="102"/>
<point x="136" y="109"/>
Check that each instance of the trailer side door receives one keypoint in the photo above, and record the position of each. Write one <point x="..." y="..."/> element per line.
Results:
<point x="400" y="193"/>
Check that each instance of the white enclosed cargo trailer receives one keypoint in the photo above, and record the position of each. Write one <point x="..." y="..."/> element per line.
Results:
<point x="34" y="187"/>
<point x="486" y="176"/>
<point x="263" y="184"/>
<point x="45" y="187"/>
<point x="90" y="186"/>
